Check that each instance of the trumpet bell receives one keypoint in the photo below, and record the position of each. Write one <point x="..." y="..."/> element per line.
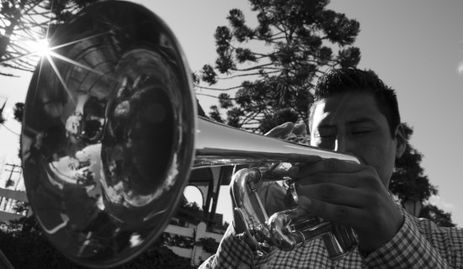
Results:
<point x="108" y="133"/>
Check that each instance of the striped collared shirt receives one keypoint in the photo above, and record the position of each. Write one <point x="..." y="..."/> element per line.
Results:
<point x="419" y="243"/>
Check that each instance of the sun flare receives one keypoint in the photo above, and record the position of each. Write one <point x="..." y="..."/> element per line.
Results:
<point x="43" y="47"/>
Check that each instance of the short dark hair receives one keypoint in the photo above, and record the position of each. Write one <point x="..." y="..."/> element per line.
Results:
<point x="352" y="80"/>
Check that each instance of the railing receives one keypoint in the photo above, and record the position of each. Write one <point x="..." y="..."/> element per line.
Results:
<point x="8" y="199"/>
<point x="197" y="254"/>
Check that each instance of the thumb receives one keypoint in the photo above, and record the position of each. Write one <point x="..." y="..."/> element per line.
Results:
<point x="281" y="131"/>
<point x="300" y="129"/>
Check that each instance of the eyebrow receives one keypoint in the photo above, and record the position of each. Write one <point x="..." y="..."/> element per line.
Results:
<point x="327" y="126"/>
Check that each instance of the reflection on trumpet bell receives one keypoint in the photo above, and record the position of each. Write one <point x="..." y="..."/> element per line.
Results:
<point x="108" y="133"/>
<point x="139" y="134"/>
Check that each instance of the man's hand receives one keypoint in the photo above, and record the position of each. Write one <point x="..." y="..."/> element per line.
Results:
<point x="281" y="131"/>
<point x="352" y="195"/>
<point x="273" y="195"/>
<point x="289" y="131"/>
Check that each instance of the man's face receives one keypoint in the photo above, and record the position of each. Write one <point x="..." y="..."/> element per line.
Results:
<point x="352" y="123"/>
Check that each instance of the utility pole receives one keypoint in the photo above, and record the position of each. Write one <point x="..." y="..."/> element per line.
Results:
<point x="13" y="180"/>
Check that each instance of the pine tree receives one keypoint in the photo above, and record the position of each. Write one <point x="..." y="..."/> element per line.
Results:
<point x="279" y="60"/>
<point x="25" y="22"/>
<point x="411" y="185"/>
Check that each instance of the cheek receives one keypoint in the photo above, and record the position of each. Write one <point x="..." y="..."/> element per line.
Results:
<point x="375" y="148"/>
<point x="381" y="157"/>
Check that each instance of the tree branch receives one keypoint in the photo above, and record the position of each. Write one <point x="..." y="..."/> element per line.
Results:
<point x="208" y="95"/>
<point x="217" y="89"/>
<point x="248" y="74"/>
<point x="8" y="75"/>
<point x="252" y="68"/>
<point x="17" y="67"/>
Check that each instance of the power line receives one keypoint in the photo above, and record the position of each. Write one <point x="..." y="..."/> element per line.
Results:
<point x="11" y="131"/>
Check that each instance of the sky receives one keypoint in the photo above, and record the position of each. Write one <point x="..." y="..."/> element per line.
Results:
<point x="415" y="46"/>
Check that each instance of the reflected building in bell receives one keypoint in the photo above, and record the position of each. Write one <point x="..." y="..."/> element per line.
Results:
<point x="12" y="190"/>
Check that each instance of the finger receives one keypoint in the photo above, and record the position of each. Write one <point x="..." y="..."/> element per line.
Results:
<point x="334" y="194"/>
<point x="329" y="166"/>
<point x="366" y="179"/>
<point x="300" y="129"/>
<point x="351" y="180"/>
<point x="340" y="214"/>
<point x="281" y="131"/>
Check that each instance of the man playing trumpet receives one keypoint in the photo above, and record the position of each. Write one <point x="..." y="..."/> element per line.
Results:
<point x="354" y="113"/>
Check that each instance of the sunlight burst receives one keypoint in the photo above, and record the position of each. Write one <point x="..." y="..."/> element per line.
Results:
<point x="43" y="47"/>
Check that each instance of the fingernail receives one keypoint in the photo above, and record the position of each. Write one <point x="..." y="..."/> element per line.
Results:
<point x="288" y="124"/>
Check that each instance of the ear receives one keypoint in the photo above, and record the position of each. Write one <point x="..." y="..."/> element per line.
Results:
<point x="400" y="140"/>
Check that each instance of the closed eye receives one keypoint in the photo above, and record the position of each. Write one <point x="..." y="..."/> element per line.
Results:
<point x="362" y="131"/>
<point x="362" y="126"/>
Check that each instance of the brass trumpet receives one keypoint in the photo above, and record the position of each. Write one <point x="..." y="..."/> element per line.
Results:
<point x="110" y="135"/>
<point x="286" y="229"/>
